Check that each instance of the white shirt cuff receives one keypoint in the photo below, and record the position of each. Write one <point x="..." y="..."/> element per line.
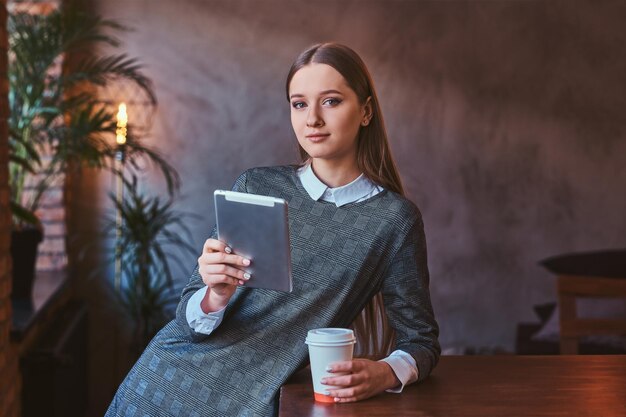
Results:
<point x="198" y="320"/>
<point x="405" y="368"/>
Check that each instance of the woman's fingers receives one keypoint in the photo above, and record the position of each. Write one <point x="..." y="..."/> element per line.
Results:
<point x="220" y="274"/>
<point x="339" y="399"/>
<point x="216" y="252"/>
<point x="364" y="379"/>
<point x="221" y="279"/>
<point x="354" y="365"/>
<point x="352" y="384"/>
<point x="224" y="269"/>
<point x="344" y="380"/>
<point x="351" y="368"/>
<point x="348" y="394"/>
<point x="223" y="258"/>
<point x="355" y="389"/>
<point x="218" y="266"/>
<point x="214" y="245"/>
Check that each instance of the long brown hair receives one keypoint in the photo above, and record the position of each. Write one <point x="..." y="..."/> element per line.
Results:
<point x="374" y="335"/>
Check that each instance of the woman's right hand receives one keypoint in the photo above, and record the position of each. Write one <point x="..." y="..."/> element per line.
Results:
<point x="220" y="271"/>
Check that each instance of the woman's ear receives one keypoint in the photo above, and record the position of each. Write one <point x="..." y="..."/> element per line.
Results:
<point x="367" y="111"/>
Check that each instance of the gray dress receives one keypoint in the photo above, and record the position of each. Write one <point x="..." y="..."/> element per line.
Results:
<point x="341" y="257"/>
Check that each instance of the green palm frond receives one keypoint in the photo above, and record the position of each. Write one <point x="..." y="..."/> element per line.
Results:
<point x="23" y="214"/>
<point x="22" y="152"/>
<point x="61" y="108"/>
<point x="36" y="41"/>
<point x="137" y="152"/>
<point x="84" y="137"/>
<point x="101" y="70"/>
<point x="150" y="229"/>
<point x="81" y="30"/>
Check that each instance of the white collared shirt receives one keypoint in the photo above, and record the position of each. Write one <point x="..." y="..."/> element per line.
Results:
<point x="358" y="190"/>
<point x="402" y="363"/>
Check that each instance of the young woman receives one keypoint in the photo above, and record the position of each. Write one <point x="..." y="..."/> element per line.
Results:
<point x="357" y="245"/>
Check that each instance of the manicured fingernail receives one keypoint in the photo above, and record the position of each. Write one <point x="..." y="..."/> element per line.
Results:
<point x="328" y="369"/>
<point x="336" y="399"/>
<point x="227" y="249"/>
<point x="240" y="282"/>
<point x="246" y="261"/>
<point x="323" y="381"/>
<point x="246" y="276"/>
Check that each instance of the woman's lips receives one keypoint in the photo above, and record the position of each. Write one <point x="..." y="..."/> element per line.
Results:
<point x="317" y="137"/>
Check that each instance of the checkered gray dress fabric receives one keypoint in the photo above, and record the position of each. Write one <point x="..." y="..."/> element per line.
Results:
<point x="341" y="257"/>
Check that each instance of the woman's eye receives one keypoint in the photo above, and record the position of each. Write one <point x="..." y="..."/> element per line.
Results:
<point x="332" y="101"/>
<point x="297" y="104"/>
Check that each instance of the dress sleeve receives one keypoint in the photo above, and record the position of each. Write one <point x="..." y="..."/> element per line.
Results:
<point x="407" y="301"/>
<point x="195" y="281"/>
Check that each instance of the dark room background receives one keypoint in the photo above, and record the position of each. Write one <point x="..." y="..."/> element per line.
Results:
<point x="507" y="120"/>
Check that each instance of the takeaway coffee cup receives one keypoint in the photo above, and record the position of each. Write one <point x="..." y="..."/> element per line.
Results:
<point x="326" y="346"/>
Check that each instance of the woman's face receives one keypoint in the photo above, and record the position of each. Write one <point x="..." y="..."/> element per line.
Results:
<point x="325" y="113"/>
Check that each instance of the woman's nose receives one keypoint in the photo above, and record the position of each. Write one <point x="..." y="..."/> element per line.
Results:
<point x="314" y="119"/>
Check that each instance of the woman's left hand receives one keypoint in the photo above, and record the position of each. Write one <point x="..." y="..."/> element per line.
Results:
<point x="365" y="379"/>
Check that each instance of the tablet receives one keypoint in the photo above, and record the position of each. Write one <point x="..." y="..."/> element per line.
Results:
<point x="256" y="227"/>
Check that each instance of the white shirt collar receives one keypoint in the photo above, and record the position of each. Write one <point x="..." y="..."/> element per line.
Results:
<point x="357" y="190"/>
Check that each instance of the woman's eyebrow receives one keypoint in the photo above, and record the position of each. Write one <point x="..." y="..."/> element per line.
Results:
<point x="330" y="92"/>
<point x="297" y="95"/>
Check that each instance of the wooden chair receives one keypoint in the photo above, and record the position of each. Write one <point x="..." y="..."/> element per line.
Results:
<point x="590" y="274"/>
<point x="569" y="288"/>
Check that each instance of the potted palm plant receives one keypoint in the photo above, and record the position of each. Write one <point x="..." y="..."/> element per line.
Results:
<point x="55" y="111"/>
<point x="151" y="237"/>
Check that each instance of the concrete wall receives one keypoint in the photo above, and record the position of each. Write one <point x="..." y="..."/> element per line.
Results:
<point x="506" y="120"/>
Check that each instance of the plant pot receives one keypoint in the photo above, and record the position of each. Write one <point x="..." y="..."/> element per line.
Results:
<point x="24" y="245"/>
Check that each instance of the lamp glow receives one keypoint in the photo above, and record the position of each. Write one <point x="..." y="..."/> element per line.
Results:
<point x="122" y="120"/>
<point x="120" y="137"/>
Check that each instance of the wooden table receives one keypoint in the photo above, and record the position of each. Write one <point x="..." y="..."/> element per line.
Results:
<point x="593" y="386"/>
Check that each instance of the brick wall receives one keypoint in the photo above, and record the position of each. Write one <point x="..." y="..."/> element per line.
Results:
<point x="52" y="255"/>
<point x="9" y="373"/>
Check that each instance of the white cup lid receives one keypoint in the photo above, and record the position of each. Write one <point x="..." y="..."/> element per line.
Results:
<point x="330" y="336"/>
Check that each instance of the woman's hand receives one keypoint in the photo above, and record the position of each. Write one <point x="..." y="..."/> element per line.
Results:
<point x="365" y="379"/>
<point x="219" y="271"/>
